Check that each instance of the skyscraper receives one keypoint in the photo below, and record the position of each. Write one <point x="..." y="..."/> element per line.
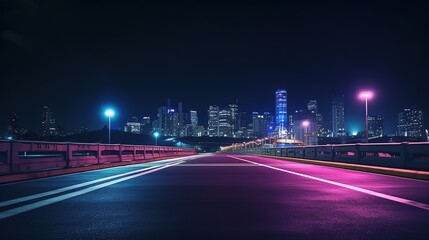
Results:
<point x="375" y="125"/>
<point x="213" y="122"/>
<point x="172" y="126"/>
<point x="410" y="122"/>
<point x="194" y="117"/>
<point x="260" y="124"/>
<point x="233" y="108"/>
<point x="146" y="127"/>
<point x="48" y="122"/>
<point x="281" y="112"/>
<point x="338" y="117"/>
<point x="225" y="126"/>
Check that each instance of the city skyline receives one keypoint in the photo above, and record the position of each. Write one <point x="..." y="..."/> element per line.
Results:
<point x="189" y="52"/>
<point x="228" y="125"/>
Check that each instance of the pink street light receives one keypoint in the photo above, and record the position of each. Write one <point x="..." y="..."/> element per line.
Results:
<point x="365" y="95"/>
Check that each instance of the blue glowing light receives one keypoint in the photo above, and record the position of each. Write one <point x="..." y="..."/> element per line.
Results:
<point x="109" y="113"/>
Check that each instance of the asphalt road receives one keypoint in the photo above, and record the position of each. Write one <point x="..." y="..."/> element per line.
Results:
<point x="216" y="197"/>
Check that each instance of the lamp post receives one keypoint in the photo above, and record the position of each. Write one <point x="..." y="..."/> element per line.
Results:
<point x="365" y="95"/>
<point x="156" y="135"/>
<point x="109" y="113"/>
<point x="305" y="124"/>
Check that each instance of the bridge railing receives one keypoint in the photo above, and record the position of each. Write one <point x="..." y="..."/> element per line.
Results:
<point x="25" y="156"/>
<point x="398" y="155"/>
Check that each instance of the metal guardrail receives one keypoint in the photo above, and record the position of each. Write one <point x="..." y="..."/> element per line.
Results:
<point x="398" y="155"/>
<point x="25" y="156"/>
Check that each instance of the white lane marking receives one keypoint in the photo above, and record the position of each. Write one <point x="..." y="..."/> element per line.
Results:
<point x="49" y="201"/>
<point x="60" y="190"/>
<point x="104" y="169"/>
<point x="358" y="189"/>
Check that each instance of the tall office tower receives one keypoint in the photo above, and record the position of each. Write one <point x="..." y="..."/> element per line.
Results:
<point x="161" y="119"/>
<point x="213" y="122"/>
<point x="48" y="122"/>
<point x="233" y="108"/>
<point x="225" y="126"/>
<point x="270" y="124"/>
<point x="410" y="122"/>
<point x="281" y="112"/>
<point x="146" y="126"/>
<point x="312" y="109"/>
<point x="375" y="125"/>
<point x="194" y="117"/>
<point x="12" y="125"/>
<point x="133" y="126"/>
<point x="242" y="120"/>
<point x="260" y="124"/>
<point x="338" y="117"/>
<point x="172" y="126"/>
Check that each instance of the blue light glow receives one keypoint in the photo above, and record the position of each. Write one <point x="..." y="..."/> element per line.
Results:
<point x="109" y="113"/>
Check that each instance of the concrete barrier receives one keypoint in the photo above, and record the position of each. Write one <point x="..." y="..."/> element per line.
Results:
<point x="26" y="156"/>
<point x="413" y="156"/>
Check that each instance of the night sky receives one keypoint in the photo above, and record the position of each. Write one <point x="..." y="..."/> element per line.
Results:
<point x="80" y="56"/>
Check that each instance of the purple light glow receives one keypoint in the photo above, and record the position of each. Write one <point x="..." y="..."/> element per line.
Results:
<point x="366" y="95"/>
<point x="305" y="123"/>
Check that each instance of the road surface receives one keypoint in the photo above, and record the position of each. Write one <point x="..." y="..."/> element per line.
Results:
<point x="216" y="196"/>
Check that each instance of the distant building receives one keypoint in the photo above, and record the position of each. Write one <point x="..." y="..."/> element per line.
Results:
<point x="233" y="108"/>
<point x="133" y="126"/>
<point x="49" y="127"/>
<point x="194" y="117"/>
<point x="410" y="122"/>
<point x="199" y="131"/>
<point x="172" y="124"/>
<point x="375" y="125"/>
<point x="146" y="127"/>
<point x="260" y="125"/>
<point x="281" y="112"/>
<point x="291" y="123"/>
<point x="242" y="120"/>
<point x="312" y="106"/>
<point x="181" y="117"/>
<point x="225" y="126"/>
<point x="338" y="128"/>
<point x="307" y="134"/>
<point x="213" y="122"/>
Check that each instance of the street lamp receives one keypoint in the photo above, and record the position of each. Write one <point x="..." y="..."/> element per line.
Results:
<point x="109" y="113"/>
<point x="156" y="135"/>
<point x="305" y="124"/>
<point x="365" y="95"/>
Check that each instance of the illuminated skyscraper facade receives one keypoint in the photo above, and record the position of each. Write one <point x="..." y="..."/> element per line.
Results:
<point x="281" y="112"/>
<point x="410" y="122"/>
<point x="213" y="122"/>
